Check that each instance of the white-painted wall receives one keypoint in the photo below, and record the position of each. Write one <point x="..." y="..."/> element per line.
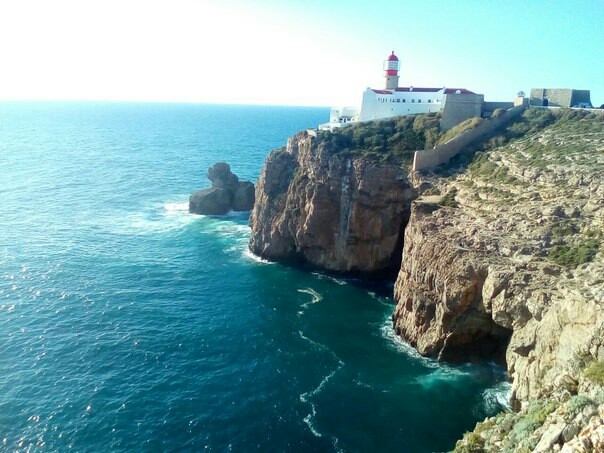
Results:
<point x="377" y="105"/>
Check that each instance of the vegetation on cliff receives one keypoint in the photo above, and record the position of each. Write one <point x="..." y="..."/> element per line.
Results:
<point x="392" y="138"/>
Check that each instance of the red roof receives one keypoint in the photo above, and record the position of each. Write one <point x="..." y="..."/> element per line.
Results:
<point x="392" y="57"/>
<point x="420" y="90"/>
<point x="426" y="90"/>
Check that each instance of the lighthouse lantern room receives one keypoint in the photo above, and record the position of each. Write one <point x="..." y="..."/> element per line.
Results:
<point x="391" y="68"/>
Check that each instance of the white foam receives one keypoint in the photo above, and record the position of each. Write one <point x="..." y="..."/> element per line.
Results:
<point x="316" y="297"/>
<point x="306" y="396"/>
<point x="397" y="343"/>
<point x="496" y="397"/>
<point x="247" y="253"/>
<point x="154" y="219"/>
<point x="442" y="374"/>
<point x="177" y="208"/>
<point x="329" y="277"/>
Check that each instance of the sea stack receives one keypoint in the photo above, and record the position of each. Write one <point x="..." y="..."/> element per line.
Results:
<point x="226" y="194"/>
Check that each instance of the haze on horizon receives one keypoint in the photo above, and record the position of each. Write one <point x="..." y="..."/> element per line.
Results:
<point x="293" y="52"/>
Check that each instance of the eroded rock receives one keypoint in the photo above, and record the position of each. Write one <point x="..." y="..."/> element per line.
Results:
<point x="227" y="193"/>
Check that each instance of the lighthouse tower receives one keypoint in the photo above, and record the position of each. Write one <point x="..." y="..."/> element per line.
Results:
<point x="391" y="67"/>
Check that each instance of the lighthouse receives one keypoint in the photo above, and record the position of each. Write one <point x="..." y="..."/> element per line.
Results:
<point x="391" y="67"/>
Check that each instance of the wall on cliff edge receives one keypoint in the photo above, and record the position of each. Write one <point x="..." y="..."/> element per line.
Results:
<point x="331" y="210"/>
<point x="440" y="154"/>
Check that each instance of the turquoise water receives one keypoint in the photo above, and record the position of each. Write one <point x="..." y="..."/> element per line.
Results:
<point x="127" y="324"/>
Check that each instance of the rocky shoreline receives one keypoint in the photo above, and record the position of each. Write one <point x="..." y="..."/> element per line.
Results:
<point x="501" y="257"/>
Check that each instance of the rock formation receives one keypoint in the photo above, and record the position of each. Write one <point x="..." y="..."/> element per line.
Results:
<point x="227" y="193"/>
<point x="502" y="258"/>
<point x="337" y="212"/>
<point x="509" y="256"/>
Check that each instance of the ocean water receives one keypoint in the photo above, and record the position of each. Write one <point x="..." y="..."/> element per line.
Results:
<point x="127" y="324"/>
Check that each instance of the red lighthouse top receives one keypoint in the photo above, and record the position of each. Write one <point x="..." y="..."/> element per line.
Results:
<point x="391" y="65"/>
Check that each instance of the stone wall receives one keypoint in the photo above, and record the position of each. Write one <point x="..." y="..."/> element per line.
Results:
<point x="441" y="154"/>
<point x="559" y="97"/>
<point x="459" y="107"/>
<point x="490" y="107"/>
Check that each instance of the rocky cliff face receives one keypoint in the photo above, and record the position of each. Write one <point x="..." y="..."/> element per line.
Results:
<point x="336" y="211"/>
<point x="502" y="259"/>
<point x="508" y="259"/>
<point x="514" y="256"/>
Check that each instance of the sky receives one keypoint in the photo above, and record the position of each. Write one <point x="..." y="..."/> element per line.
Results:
<point x="294" y="52"/>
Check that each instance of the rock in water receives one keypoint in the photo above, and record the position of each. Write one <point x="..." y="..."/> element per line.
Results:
<point x="244" y="197"/>
<point x="227" y="193"/>
<point x="221" y="176"/>
<point x="212" y="201"/>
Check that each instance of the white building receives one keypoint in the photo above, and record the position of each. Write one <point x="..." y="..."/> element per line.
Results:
<point x="393" y="100"/>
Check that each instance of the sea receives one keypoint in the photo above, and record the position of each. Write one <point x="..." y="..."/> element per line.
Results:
<point x="128" y="324"/>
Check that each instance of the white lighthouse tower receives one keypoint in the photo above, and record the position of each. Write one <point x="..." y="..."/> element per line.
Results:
<point x="391" y="68"/>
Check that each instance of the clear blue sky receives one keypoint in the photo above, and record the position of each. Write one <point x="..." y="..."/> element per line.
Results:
<point x="296" y="52"/>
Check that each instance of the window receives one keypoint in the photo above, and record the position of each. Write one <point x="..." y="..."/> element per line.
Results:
<point x="429" y="101"/>
<point x="404" y="100"/>
<point x="419" y="101"/>
<point x="398" y="100"/>
<point x="413" y="101"/>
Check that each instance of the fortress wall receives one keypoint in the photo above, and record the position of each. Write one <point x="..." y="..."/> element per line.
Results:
<point x="458" y="108"/>
<point x="559" y="97"/>
<point x="492" y="106"/>
<point x="430" y="158"/>
<point x="580" y="97"/>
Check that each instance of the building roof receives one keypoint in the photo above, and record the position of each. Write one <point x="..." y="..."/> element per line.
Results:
<point x="392" y="57"/>
<point x="425" y="90"/>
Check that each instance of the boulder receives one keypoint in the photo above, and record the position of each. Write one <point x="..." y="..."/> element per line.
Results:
<point x="244" y="197"/>
<point x="227" y="193"/>
<point x="212" y="201"/>
<point x="221" y="176"/>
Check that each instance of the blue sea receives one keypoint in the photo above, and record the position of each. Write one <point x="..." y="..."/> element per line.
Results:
<point x="127" y="324"/>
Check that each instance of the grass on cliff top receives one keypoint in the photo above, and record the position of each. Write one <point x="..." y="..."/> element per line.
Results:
<point x="393" y="138"/>
<point x="462" y="127"/>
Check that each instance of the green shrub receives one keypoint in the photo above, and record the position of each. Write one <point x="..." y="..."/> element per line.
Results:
<point x="449" y="199"/>
<point x="466" y="125"/>
<point x="539" y="411"/>
<point x="576" y="404"/>
<point x="564" y="228"/>
<point x="523" y="429"/>
<point x="471" y="443"/>
<point x="576" y="254"/>
<point x="595" y="372"/>
<point x="391" y="138"/>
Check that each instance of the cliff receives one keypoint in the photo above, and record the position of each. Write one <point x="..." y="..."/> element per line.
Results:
<point x="332" y="201"/>
<point x="506" y="259"/>
<point x="501" y="255"/>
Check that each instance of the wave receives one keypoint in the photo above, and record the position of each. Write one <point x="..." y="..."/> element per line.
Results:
<point x="177" y="208"/>
<point x="338" y="281"/>
<point x="316" y="297"/>
<point x="306" y="396"/>
<point x="396" y="342"/>
<point x="497" y="397"/>
<point x="248" y="254"/>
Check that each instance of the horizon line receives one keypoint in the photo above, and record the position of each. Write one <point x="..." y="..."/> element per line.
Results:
<point x="153" y="101"/>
